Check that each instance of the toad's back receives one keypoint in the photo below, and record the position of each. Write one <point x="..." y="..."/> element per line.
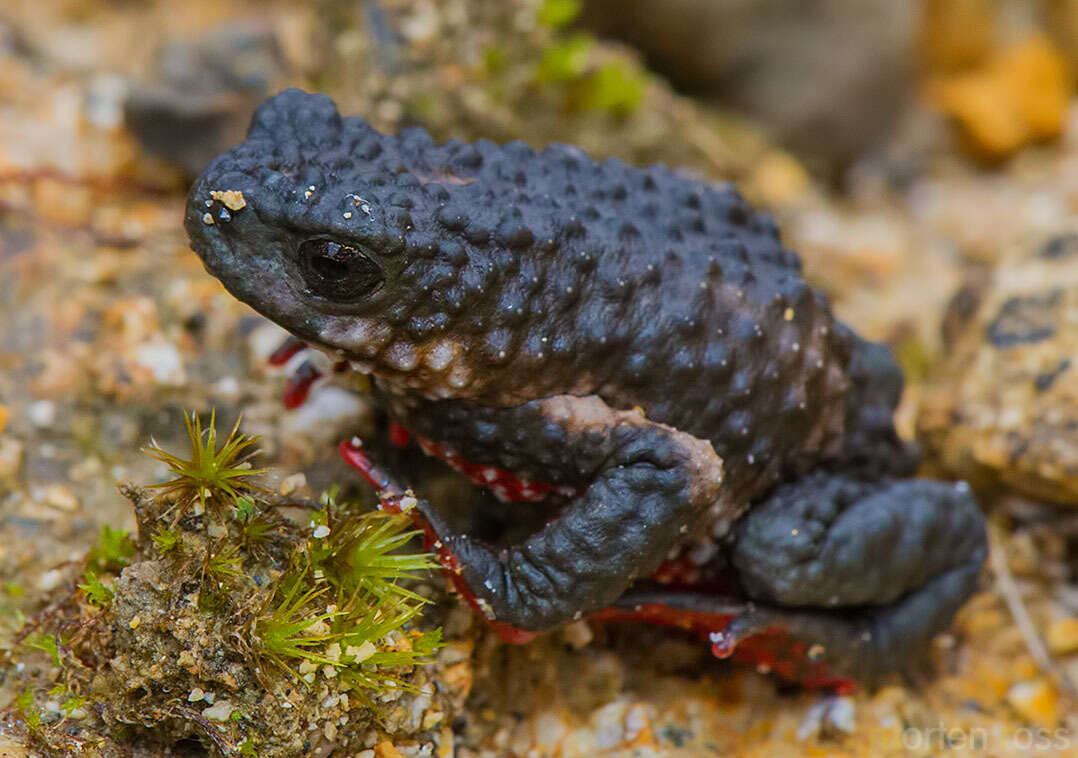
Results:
<point x="657" y="291"/>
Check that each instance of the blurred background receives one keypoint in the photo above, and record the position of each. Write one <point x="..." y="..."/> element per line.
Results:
<point x="921" y="155"/>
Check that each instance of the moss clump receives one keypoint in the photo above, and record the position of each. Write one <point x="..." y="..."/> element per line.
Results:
<point x="557" y="13"/>
<point x="214" y="477"/>
<point x="231" y="620"/>
<point x="587" y="82"/>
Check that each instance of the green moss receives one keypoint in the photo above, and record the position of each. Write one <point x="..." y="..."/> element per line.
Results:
<point x="291" y="628"/>
<point x="71" y="703"/>
<point x="245" y="509"/>
<point x="165" y="540"/>
<point x="258" y="528"/>
<point x="342" y="605"/>
<point x="214" y="477"/>
<point x="97" y="593"/>
<point x="113" y="550"/>
<point x="616" y="88"/>
<point x="558" y="13"/>
<point x="47" y="643"/>
<point x="27" y="708"/>
<point x="495" y="59"/>
<point x="565" y="60"/>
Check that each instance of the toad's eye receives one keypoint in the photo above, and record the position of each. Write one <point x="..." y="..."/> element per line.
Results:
<point x="338" y="272"/>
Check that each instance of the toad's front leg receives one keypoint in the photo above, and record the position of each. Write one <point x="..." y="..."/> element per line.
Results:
<point x="649" y="484"/>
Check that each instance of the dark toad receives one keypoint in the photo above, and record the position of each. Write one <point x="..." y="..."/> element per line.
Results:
<point x="635" y="343"/>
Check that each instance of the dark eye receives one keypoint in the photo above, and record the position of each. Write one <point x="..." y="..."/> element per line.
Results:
<point x="338" y="272"/>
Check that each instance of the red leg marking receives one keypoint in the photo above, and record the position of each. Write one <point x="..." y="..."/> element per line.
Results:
<point x="399" y="436"/>
<point x="681" y="571"/>
<point x="288" y="349"/>
<point x="773" y="650"/>
<point x="394" y="499"/>
<point x="299" y="385"/>
<point x="507" y="486"/>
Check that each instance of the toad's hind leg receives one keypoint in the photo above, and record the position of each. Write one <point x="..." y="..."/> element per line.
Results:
<point x="890" y="562"/>
<point x="648" y="484"/>
<point x="842" y="579"/>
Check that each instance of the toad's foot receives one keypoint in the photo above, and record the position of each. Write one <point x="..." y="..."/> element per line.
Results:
<point x="842" y="580"/>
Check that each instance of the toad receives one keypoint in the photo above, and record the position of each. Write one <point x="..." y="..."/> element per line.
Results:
<point x="637" y="348"/>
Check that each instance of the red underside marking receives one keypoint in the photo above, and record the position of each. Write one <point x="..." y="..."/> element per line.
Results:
<point x="774" y="649"/>
<point x="299" y="385"/>
<point x="505" y="485"/>
<point x="288" y="350"/>
<point x="681" y="571"/>
<point x="399" y="436"/>
<point x="390" y="497"/>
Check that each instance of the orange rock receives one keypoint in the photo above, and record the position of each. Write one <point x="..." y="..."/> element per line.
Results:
<point x="67" y="203"/>
<point x="957" y="33"/>
<point x="1062" y="636"/>
<point x="386" y="750"/>
<point x="459" y="677"/>
<point x="1037" y="701"/>
<point x="5" y="414"/>
<point x="1017" y="97"/>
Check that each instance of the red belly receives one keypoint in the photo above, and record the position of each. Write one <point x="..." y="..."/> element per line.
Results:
<point x="506" y="486"/>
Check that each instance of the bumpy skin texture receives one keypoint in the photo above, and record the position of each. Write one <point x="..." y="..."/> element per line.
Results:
<point x="638" y="337"/>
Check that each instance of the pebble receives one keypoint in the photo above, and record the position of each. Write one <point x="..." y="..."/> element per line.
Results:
<point x="578" y="634"/>
<point x="1019" y="96"/>
<point x="828" y="715"/>
<point x="386" y="750"/>
<point x="294" y="483"/>
<point x="1062" y="636"/>
<point x="10" y="457"/>
<point x="1037" y="701"/>
<point x="164" y="362"/>
<point x="60" y="497"/>
<point x="50" y="580"/>
<point x="363" y="652"/>
<point x="228" y="388"/>
<point x="220" y="711"/>
<point x="231" y="199"/>
<point x="42" y="413"/>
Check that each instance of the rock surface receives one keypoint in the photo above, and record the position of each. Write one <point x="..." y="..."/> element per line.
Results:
<point x="1005" y="408"/>
<point x="826" y="78"/>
